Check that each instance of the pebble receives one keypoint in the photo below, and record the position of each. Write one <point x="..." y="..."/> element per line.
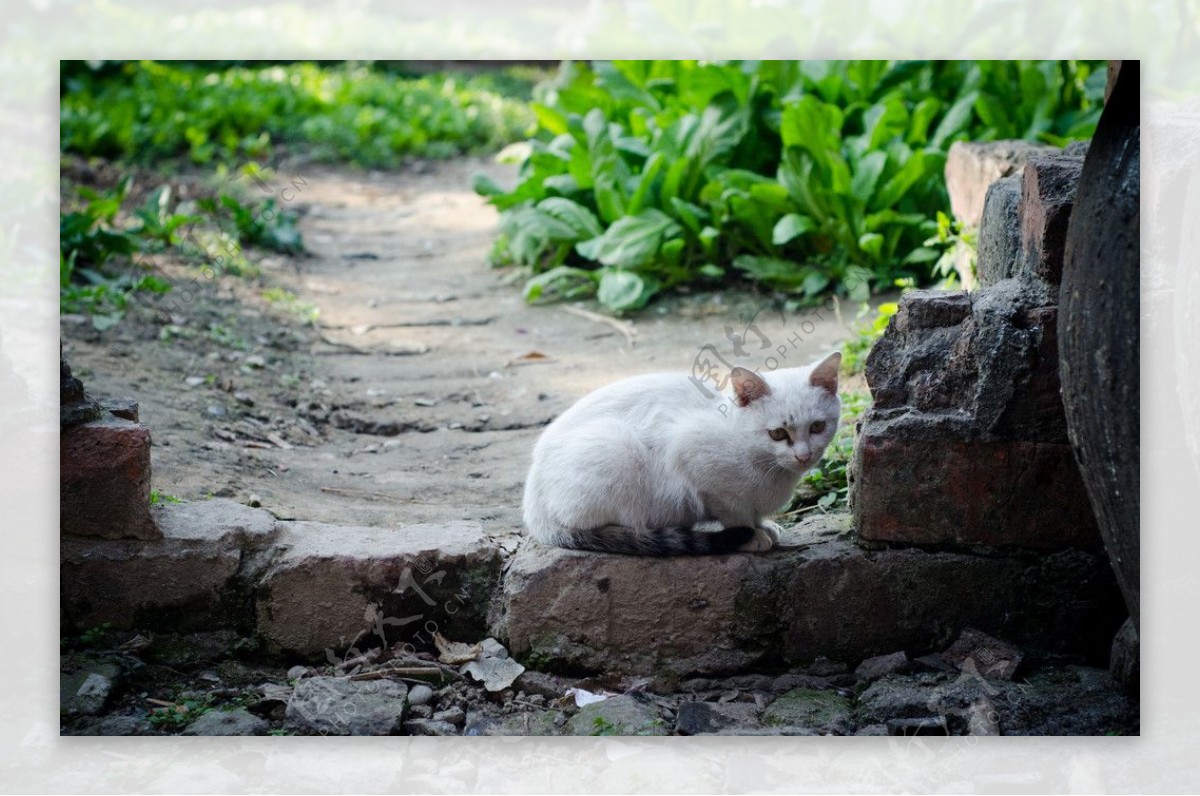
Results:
<point x="244" y="398"/>
<point x="296" y="672"/>
<point x="420" y="695"/>
<point x="216" y="410"/>
<point x="454" y="715"/>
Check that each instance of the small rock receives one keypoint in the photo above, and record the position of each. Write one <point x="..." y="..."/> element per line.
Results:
<point x="479" y="724"/>
<point x="929" y="725"/>
<point x="194" y="381"/>
<point x="121" y="725"/>
<point x="85" y="692"/>
<point x="976" y="651"/>
<point x="873" y="729"/>
<point x="533" y="723"/>
<point x="216" y="410"/>
<point x="787" y="682"/>
<point x="336" y="706"/>
<point x="228" y="722"/>
<point x="982" y="718"/>
<point x="454" y="715"/>
<point x="256" y="361"/>
<point x="828" y="711"/>
<point x="882" y="665"/>
<point x="296" y="672"/>
<point x="620" y="715"/>
<point x="823" y="667"/>
<point x="420" y="711"/>
<point x="244" y="398"/>
<point x="429" y="727"/>
<point x="420" y="695"/>
<point x="1124" y="660"/>
<point x="932" y="663"/>
<point x="254" y="501"/>
<point x="700" y="718"/>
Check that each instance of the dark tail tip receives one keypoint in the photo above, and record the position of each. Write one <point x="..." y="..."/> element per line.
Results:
<point x="728" y="540"/>
<point x="660" y="542"/>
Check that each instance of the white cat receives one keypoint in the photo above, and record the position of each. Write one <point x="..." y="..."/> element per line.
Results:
<point x="633" y="467"/>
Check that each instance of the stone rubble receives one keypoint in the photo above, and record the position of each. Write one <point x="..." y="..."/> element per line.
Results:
<point x="241" y="693"/>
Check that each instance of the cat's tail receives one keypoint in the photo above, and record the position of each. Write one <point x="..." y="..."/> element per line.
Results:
<point x="657" y="541"/>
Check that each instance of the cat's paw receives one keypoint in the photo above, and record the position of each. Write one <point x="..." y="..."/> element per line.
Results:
<point x="773" y="529"/>
<point x="761" y="542"/>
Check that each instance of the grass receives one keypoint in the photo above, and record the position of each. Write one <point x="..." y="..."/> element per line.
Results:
<point x="148" y="111"/>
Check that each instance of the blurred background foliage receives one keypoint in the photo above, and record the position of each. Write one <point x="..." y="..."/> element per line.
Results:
<point x="634" y="177"/>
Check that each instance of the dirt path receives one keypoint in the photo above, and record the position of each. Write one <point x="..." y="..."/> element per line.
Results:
<point x="418" y="395"/>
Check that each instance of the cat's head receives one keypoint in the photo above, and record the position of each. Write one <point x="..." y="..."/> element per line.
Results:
<point x="789" y="415"/>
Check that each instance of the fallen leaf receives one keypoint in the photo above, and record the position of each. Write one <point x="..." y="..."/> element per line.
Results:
<point x="496" y="674"/>
<point x="530" y="358"/>
<point x="456" y="652"/>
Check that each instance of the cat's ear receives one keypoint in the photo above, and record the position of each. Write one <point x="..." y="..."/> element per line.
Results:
<point x="825" y="373"/>
<point x="748" y="386"/>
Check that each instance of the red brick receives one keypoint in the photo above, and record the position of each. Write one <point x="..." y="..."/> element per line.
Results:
<point x="1047" y="195"/>
<point x="104" y="469"/>
<point x="929" y="485"/>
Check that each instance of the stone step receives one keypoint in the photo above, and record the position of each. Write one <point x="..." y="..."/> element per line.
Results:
<point x="817" y="594"/>
<point x="305" y="588"/>
<point x="325" y="592"/>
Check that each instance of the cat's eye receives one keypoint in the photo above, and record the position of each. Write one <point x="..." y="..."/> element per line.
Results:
<point x="778" y="434"/>
<point x="817" y="427"/>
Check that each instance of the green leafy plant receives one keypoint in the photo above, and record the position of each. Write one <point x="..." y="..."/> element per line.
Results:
<point x="959" y="245"/>
<point x="98" y="275"/>
<point x="265" y="224"/>
<point x="855" y="350"/>
<point x="148" y="111"/>
<point x="180" y="714"/>
<point x="157" y="497"/>
<point x="94" y="635"/>
<point x="805" y="177"/>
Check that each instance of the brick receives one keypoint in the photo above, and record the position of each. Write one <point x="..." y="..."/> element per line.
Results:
<point x="329" y="587"/>
<point x="188" y="580"/>
<point x="922" y="479"/>
<point x="972" y="166"/>
<point x="104" y="469"/>
<point x="816" y="594"/>
<point x="1047" y="196"/>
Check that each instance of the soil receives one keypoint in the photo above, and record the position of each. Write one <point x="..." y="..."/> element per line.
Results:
<point x="418" y="392"/>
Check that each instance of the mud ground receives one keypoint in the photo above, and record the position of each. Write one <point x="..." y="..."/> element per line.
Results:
<point x="418" y="391"/>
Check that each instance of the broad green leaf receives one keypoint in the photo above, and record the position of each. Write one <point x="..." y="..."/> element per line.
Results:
<point x="581" y="221"/>
<point x="632" y="241"/>
<point x="485" y="185"/>
<point x="654" y="165"/>
<point x="561" y="283"/>
<point x="790" y="227"/>
<point x="899" y="183"/>
<point x="871" y="243"/>
<point x="866" y="175"/>
<point x="608" y="196"/>
<point x="772" y="271"/>
<point x="955" y="120"/>
<point x="991" y="112"/>
<point x="692" y="216"/>
<point x="621" y="291"/>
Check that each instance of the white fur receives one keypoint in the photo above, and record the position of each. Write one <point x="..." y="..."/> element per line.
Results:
<point x="653" y="452"/>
